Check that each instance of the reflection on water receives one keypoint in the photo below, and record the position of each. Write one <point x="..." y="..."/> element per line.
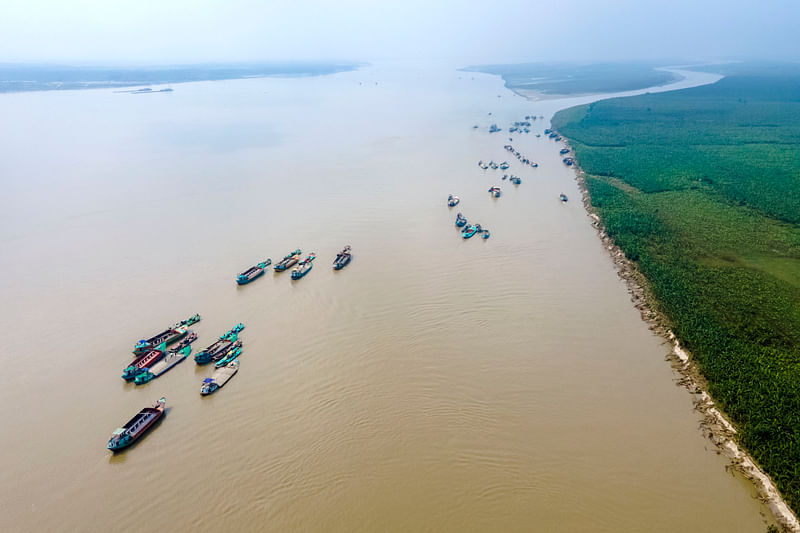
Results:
<point x="435" y="384"/>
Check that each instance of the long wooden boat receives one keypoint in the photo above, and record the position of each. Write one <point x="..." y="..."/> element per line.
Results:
<point x="143" y="363"/>
<point x="343" y="258"/>
<point x="304" y="266"/>
<point x="136" y="426"/>
<point x="233" y="353"/>
<point x="173" y="357"/>
<point x="170" y="335"/>
<point x="253" y="272"/>
<point x="219" y="348"/>
<point x="289" y="261"/>
<point x="219" y="378"/>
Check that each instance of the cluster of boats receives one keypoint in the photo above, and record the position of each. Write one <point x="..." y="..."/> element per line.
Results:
<point x="470" y="230"/>
<point x="522" y="159"/>
<point x="494" y="166"/>
<point x="152" y="363"/>
<point x="148" y="352"/>
<point x="553" y="135"/>
<point x="293" y="259"/>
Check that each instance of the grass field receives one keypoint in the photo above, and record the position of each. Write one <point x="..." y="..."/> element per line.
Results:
<point x="701" y="188"/>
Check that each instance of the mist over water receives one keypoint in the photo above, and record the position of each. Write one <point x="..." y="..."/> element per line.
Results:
<point x="435" y="384"/>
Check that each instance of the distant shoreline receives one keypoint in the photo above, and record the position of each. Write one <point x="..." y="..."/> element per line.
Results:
<point x="34" y="78"/>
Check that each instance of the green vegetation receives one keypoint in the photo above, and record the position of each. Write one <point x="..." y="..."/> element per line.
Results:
<point x="565" y="79"/>
<point x="701" y="188"/>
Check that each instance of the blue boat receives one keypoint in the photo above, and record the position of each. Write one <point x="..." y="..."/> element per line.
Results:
<point x="342" y="258"/>
<point x="234" y="352"/>
<point x="486" y="234"/>
<point x="563" y="197"/>
<point x="253" y="272"/>
<point x="460" y="221"/>
<point x="496" y="192"/>
<point x="304" y="266"/>
<point x="471" y="230"/>
<point x="453" y="201"/>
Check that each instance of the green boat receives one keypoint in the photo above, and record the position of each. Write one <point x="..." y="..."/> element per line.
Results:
<point x="233" y="353"/>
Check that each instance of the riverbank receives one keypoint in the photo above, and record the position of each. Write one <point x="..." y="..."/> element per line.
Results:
<point x="648" y="217"/>
<point x="715" y="425"/>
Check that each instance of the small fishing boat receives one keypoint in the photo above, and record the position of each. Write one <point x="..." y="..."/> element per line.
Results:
<point x="342" y="258"/>
<point x="493" y="128"/>
<point x="486" y="234"/>
<point x="563" y="151"/>
<point x="233" y="353"/>
<point x="547" y="132"/>
<point x="460" y="221"/>
<point x="304" y="266"/>
<point x="220" y="347"/>
<point x="503" y="165"/>
<point x="289" y="261"/>
<point x="515" y="180"/>
<point x="496" y="192"/>
<point x="471" y="230"/>
<point x="563" y="197"/>
<point x="219" y="378"/>
<point x="136" y="426"/>
<point x="453" y="201"/>
<point x="170" y="335"/>
<point x="568" y="161"/>
<point x="143" y="363"/>
<point x="253" y="272"/>
<point x="493" y="165"/>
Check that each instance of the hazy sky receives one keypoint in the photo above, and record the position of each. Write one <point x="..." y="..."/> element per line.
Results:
<point x="171" y="31"/>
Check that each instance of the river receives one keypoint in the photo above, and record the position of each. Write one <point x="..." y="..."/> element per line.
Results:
<point x="435" y="384"/>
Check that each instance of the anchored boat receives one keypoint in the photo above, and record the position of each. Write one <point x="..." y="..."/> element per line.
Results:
<point x="289" y="261"/>
<point x="136" y="426"/>
<point x="496" y="192"/>
<point x="173" y="357"/>
<point x="141" y="364"/>
<point x="471" y="230"/>
<point x="253" y="272"/>
<point x="453" y="201"/>
<point x="460" y="221"/>
<point x="342" y="258"/>
<point x="233" y="353"/>
<point x="219" y="378"/>
<point x="168" y="336"/>
<point x="304" y="266"/>
<point x="220" y="348"/>
<point x="563" y="197"/>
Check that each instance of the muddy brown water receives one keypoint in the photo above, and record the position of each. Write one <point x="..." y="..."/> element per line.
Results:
<point x="435" y="384"/>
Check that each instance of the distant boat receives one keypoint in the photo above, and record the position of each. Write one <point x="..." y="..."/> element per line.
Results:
<point x="453" y="201"/>
<point x="563" y="197"/>
<point x="496" y="192"/>
<point x="471" y="230"/>
<point x="289" y="261"/>
<point x="253" y="272"/>
<point x="342" y="258"/>
<point x="136" y="426"/>
<point x="460" y="221"/>
<point x="233" y="353"/>
<point x="563" y="151"/>
<point x="172" y="334"/>
<point x="304" y="266"/>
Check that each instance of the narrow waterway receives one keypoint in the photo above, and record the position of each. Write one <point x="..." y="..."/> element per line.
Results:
<point x="435" y="384"/>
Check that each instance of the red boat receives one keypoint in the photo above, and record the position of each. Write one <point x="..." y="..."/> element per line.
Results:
<point x="146" y="361"/>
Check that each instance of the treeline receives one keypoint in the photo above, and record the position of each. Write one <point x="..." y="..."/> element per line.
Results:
<point x="701" y="188"/>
